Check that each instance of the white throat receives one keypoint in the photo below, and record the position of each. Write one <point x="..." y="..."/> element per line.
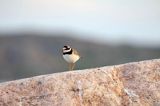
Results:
<point x="71" y="58"/>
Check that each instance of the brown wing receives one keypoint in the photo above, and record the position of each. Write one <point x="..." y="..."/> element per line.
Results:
<point x="76" y="52"/>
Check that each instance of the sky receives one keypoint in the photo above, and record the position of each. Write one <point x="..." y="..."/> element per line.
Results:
<point x="133" y="21"/>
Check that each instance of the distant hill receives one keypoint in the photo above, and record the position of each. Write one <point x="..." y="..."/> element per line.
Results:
<point x="25" y="55"/>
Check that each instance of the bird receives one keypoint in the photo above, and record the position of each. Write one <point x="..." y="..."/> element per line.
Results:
<point x="70" y="55"/>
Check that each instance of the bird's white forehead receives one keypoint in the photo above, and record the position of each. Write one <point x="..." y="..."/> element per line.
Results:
<point x="65" y="51"/>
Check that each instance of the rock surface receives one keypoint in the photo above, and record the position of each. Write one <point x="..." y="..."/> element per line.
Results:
<point x="131" y="84"/>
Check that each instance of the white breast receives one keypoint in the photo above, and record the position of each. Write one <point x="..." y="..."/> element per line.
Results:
<point x="71" y="58"/>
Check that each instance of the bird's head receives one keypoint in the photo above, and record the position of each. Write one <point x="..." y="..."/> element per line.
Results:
<point x="66" y="48"/>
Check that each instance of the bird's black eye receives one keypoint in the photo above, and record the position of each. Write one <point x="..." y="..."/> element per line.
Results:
<point x="65" y="46"/>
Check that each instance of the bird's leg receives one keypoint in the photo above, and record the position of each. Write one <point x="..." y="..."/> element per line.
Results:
<point x="71" y="66"/>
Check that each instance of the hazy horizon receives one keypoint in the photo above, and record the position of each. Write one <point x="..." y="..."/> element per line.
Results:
<point x="136" y="22"/>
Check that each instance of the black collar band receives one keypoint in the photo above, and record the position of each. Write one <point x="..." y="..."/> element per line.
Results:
<point x="70" y="52"/>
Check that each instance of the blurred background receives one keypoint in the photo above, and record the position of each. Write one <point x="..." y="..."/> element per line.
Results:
<point x="105" y="32"/>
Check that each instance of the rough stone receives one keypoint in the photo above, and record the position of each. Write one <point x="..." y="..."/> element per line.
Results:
<point x="131" y="84"/>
